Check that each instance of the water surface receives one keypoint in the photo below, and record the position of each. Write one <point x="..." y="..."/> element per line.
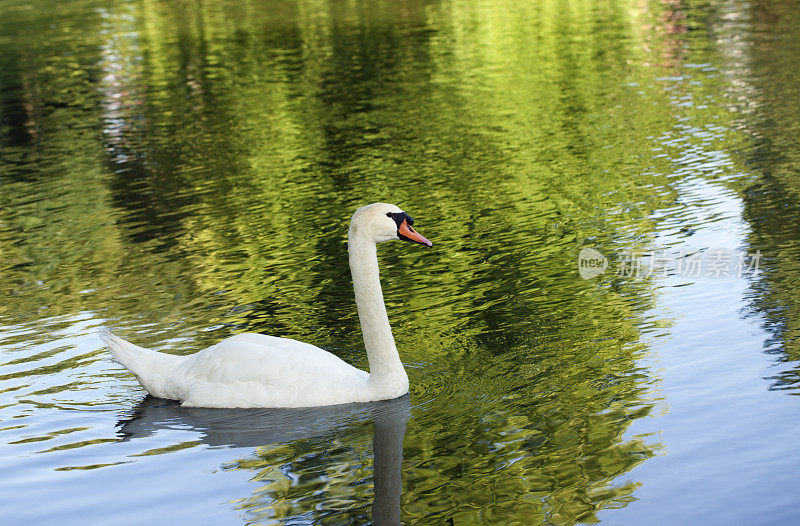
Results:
<point x="185" y="171"/>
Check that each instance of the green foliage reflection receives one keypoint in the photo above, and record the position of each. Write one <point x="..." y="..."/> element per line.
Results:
<point x="181" y="166"/>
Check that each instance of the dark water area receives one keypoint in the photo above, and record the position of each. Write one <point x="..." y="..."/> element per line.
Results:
<point x="185" y="171"/>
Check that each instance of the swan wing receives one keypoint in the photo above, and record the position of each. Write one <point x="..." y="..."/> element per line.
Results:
<point x="250" y="370"/>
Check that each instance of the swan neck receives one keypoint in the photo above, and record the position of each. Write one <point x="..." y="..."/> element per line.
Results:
<point x="386" y="369"/>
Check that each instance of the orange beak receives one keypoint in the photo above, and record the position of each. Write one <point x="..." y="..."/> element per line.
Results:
<point x="406" y="233"/>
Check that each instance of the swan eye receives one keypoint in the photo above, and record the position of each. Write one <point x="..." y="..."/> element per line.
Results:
<point x="399" y="217"/>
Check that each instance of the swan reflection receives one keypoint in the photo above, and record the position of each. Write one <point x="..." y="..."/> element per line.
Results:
<point x="251" y="428"/>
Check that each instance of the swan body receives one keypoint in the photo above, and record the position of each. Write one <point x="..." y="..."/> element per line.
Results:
<point x="256" y="370"/>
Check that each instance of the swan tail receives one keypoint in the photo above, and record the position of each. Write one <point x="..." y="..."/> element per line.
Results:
<point x="151" y="368"/>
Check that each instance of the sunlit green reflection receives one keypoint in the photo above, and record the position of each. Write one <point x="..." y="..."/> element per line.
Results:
<point x="187" y="170"/>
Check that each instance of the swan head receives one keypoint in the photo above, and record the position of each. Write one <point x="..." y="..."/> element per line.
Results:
<point x="381" y="222"/>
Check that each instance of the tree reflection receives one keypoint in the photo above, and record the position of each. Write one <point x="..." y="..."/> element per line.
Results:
<point x="225" y="153"/>
<point x="769" y="115"/>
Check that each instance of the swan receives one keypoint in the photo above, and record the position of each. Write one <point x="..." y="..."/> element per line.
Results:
<point x="256" y="370"/>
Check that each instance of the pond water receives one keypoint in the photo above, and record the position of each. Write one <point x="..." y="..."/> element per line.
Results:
<point x="184" y="171"/>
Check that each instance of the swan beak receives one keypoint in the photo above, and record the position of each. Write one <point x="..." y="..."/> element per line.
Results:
<point x="406" y="233"/>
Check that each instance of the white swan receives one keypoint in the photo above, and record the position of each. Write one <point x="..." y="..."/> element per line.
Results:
<point x="255" y="370"/>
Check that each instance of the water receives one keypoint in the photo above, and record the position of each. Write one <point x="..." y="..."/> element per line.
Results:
<point x="185" y="171"/>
